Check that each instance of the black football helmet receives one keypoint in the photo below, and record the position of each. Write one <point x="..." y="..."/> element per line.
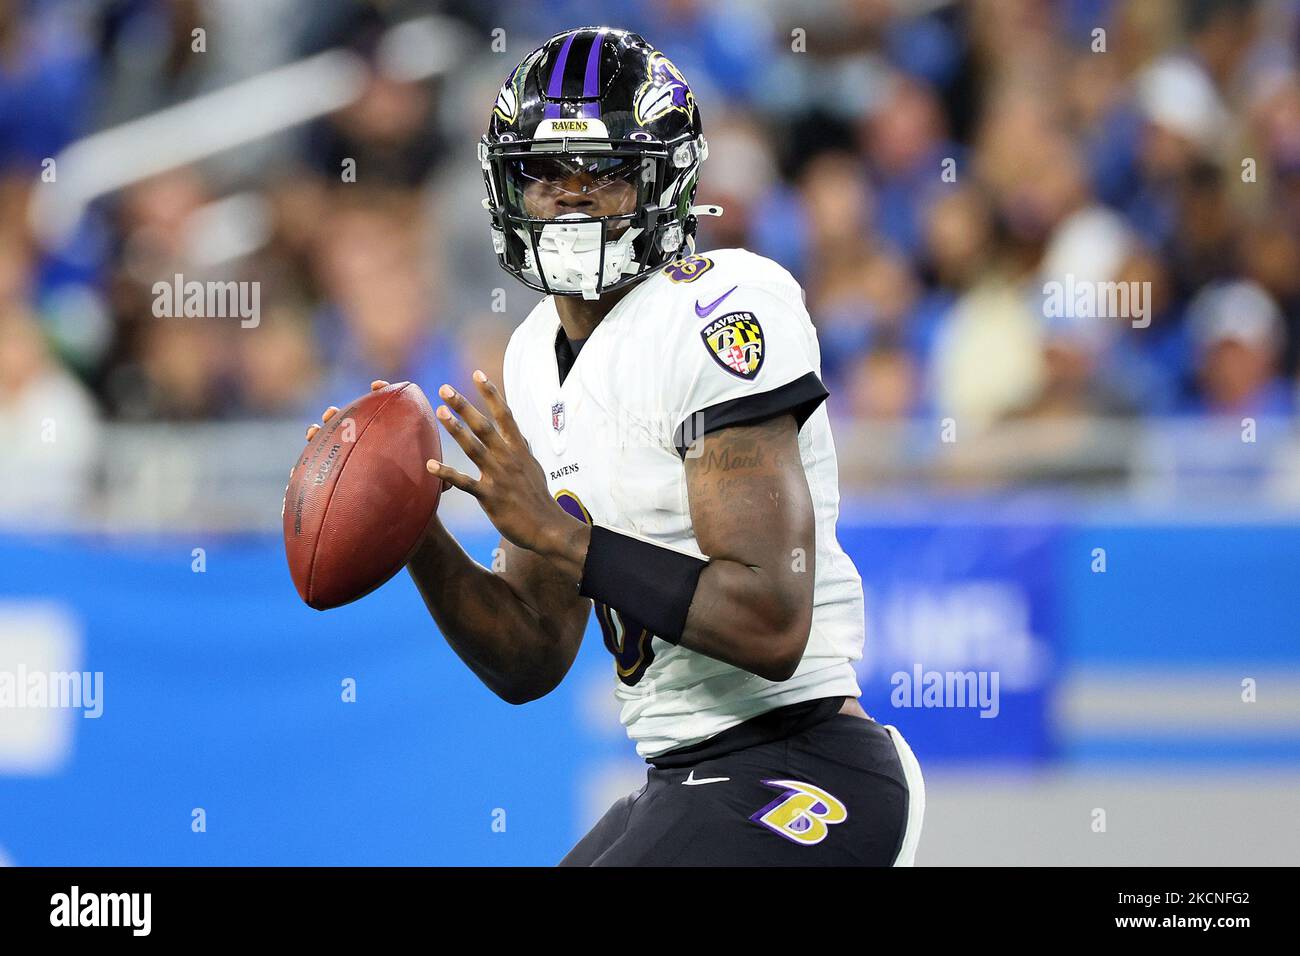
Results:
<point x="601" y="108"/>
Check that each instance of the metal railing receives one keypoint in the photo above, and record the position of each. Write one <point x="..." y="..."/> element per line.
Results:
<point x="231" y="476"/>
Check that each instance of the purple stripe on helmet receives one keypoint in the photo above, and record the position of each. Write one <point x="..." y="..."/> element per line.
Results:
<point x="555" y="84"/>
<point x="592" y="78"/>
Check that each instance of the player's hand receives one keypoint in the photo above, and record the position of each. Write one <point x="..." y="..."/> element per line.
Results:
<point x="333" y="410"/>
<point x="511" y="487"/>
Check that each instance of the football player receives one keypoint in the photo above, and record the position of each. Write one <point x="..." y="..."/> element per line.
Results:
<point x="661" y="453"/>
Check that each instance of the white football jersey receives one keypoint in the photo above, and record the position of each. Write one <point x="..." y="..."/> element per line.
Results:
<point x="708" y="341"/>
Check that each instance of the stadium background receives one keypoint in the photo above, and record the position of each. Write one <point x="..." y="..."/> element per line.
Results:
<point x="142" y="459"/>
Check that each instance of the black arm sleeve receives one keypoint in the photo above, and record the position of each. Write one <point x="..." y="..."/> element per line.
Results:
<point x="800" y="398"/>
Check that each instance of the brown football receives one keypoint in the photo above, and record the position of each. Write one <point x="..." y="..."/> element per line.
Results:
<point x="359" y="498"/>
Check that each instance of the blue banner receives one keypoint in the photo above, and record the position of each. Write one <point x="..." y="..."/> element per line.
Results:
<point x="223" y="722"/>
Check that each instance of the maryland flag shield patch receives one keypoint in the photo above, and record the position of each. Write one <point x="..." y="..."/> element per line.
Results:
<point x="735" y="341"/>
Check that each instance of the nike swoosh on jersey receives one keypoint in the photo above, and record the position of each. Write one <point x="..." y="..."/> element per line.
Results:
<point x="705" y="311"/>
<point x="691" y="780"/>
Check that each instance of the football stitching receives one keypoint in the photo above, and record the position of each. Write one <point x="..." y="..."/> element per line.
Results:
<point x="311" y="573"/>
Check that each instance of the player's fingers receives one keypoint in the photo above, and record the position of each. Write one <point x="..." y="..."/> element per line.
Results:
<point x="377" y="384"/>
<point x="329" y="413"/>
<point x="464" y="437"/>
<point x="496" y="405"/>
<point x="478" y="423"/>
<point x="451" y="478"/>
<point x="311" y="431"/>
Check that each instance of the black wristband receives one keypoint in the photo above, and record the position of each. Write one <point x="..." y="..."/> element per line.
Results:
<point x="651" y="584"/>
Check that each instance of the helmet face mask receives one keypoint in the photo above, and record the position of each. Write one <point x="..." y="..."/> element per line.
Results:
<point x="607" y="185"/>
<point x="591" y="161"/>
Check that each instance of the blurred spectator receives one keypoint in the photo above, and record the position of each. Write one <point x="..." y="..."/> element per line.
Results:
<point x="906" y="145"/>
<point x="885" y="386"/>
<point x="1171" y="159"/>
<point x="384" y="322"/>
<point x="738" y="145"/>
<point x="1073" y="347"/>
<point x="278" y="368"/>
<point x="723" y="46"/>
<point x="1238" y="331"/>
<point x="1271" y="254"/>
<point x="987" y="358"/>
<point x="47" y="75"/>
<point x="858" y="303"/>
<point x="49" y="427"/>
<point x="387" y="135"/>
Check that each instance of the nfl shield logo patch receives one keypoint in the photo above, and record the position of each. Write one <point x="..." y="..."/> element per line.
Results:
<point x="735" y="341"/>
<point x="557" y="416"/>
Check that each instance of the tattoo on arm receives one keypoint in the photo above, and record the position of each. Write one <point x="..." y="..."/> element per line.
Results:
<point x="752" y="511"/>
<point x="745" y="491"/>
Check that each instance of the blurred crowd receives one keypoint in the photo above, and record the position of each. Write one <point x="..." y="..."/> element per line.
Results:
<point x="923" y="168"/>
